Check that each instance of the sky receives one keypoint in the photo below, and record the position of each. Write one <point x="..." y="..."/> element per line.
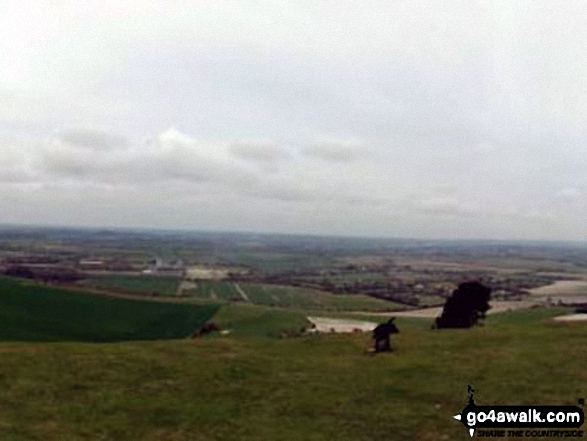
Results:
<point x="416" y="119"/>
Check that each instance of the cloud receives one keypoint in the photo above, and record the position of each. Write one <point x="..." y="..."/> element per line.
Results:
<point x="336" y="150"/>
<point x="18" y="160"/>
<point x="172" y="155"/>
<point x="92" y="139"/>
<point x="282" y="192"/>
<point x="461" y="118"/>
<point x="569" y="194"/>
<point x="261" y="150"/>
<point x="444" y="206"/>
<point x="16" y="174"/>
<point x="570" y="201"/>
<point x="59" y="159"/>
<point x="445" y="190"/>
<point x="174" y="158"/>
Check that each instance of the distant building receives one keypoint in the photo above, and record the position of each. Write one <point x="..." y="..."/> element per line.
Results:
<point x="160" y="268"/>
<point x="91" y="264"/>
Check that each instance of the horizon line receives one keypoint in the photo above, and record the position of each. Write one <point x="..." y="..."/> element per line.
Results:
<point x="349" y="236"/>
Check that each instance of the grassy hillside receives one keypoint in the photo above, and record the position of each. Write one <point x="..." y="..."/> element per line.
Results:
<point x="37" y="313"/>
<point x="245" y="320"/>
<point x="313" y="388"/>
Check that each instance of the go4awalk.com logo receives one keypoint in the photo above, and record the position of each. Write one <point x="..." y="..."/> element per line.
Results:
<point x="521" y="421"/>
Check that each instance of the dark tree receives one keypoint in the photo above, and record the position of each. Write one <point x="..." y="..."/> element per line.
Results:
<point x="381" y="335"/>
<point x="463" y="309"/>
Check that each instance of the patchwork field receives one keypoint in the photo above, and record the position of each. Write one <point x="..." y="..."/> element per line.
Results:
<point x="31" y="312"/>
<point x="144" y="284"/>
<point x="288" y="296"/>
<point x="211" y="290"/>
<point x="324" y="387"/>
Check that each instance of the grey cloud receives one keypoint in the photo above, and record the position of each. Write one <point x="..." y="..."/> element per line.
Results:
<point x="570" y="194"/>
<point x="362" y="200"/>
<point x="442" y="206"/>
<point x="66" y="161"/>
<point x="473" y="114"/>
<point x="17" y="174"/>
<point x="296" y="191"/>
<point x="445" y="190"/>
<point x="171" y="156"/>
<point x="258" y="150"/>
<point x="281" y="193"/>
<point x="92" y="139"/>
<point x="336" y="150"/>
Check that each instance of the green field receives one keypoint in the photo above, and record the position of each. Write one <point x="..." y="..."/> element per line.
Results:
<point x="37" y="313"/>
<point x="246" y="320"/>
<point x="144" y="284"/>
<point x="214" y="291"/>
<point x="312" y="388"/>
<point x="289" y="297"/>
<point x="350" y="277"/>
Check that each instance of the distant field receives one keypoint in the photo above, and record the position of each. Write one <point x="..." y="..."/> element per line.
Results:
<point x="164" y="286"/>
<point x="213" y="290"/>
<point x="271" y="262"/>
<point x="562" y="288"/>
<point x="350" y="277"/>
<point x="563" y="291"/>
<point x="38" y="313"/>
<point x="288" y="296"/>
<point x="427" y="301"/>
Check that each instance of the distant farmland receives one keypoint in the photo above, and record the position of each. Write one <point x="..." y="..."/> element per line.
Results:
<point x="38" y="313"/>
<point x="150" y="285"/>
<point x="254" y="293"/>
<point x="288" y="296"/>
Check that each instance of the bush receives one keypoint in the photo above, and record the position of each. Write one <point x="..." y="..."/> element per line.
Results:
<point x="463" y="309"/>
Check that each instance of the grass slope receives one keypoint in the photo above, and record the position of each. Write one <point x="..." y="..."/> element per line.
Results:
<point x="38" y="313"/>
<point x="245" y="320"/>
<point x="315" y="388"/>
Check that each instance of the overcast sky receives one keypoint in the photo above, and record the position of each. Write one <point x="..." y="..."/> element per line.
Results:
<point x="424" y="119"/>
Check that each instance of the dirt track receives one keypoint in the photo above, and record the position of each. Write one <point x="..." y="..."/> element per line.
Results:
<point x="496" y="307"/>
<point x="326" y="324"/>
<point x="571" y="318"/>
<point x="241" y="292"/>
